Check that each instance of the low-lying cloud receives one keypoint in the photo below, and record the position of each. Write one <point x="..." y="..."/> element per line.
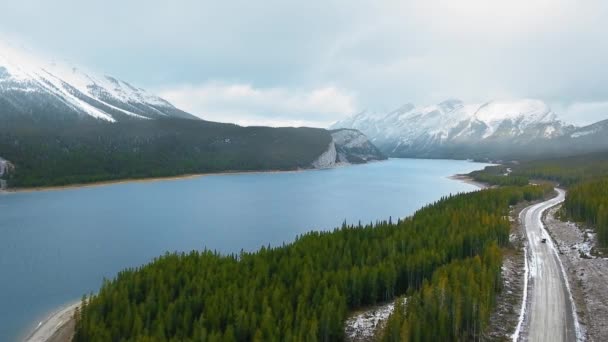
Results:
<point x="583" y="113"/>
<point x="309" y="62"/>
<point x="247" y="105"/>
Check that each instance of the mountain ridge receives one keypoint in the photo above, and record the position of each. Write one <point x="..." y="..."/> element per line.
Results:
<point x="455" y="129"/>
<point x="32" y="87"/>
<point x="64" y="125"/>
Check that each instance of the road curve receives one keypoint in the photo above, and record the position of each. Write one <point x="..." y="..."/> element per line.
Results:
<point x="550" y="315"/>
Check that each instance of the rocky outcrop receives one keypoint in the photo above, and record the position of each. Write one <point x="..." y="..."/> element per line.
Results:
<point x="5" y="168"/>
<point x="327" y="158"/>
<point x="348" y="146"/>
<point x="354" y="147"/>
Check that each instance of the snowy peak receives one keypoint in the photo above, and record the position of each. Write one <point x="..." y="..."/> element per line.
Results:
<point x="522" y="114"/>
<point x="531" y="110"/>
<point x="450" y="105"/>
<point x="411" y="129"/>
<point x="30" y="85"/>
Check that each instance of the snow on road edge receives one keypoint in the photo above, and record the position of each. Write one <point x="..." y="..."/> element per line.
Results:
<point x="522" y="314"/>
<point x="577" y="328"/>
<point x="524" y="300"/>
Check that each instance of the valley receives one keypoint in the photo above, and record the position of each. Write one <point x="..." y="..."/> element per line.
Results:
<point x="303" y="171"/>
<point x="67" y="241"/>
<point x="62" y="125"/>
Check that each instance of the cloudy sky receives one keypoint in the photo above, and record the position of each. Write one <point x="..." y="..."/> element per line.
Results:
<point x="313" y="62"/>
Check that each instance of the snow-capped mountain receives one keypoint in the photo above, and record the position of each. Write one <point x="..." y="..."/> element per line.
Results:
<point x="32" y="87"/>
<point x="428" y="131"/>
<point x="598" y="128"/>
<point x="67" y="109"/>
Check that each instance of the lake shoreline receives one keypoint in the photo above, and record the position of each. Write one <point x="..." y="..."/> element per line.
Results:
<point x="469" y="180"/>
<point x="142" y="180"/>
<point x="463" y="178"/>
<point x="60" y="330"/>
<point x="58" y="326"/>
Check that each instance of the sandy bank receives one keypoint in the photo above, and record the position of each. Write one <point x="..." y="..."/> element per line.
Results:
<point x="57" y="327"/>
<point x="467" y="179"/>
<point x="140" y="180"/>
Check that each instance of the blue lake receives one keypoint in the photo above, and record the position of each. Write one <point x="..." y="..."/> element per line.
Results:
<point x="57" y="245"/>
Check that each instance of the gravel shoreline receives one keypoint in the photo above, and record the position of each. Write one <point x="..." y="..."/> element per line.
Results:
<point x="57" y="327"/>
<point x="142" y="180"/>
<point x="469" y="180"/>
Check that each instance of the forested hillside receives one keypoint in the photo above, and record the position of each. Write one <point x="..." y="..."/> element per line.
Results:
<point x="53" y="152"/>
<point x="497" y="175"/>
<point x="303" y="290"/>
<point x="585" y="176"/>
<point x="565" y="171"/>
<point x="454" y="305"/>
<point x="588" y="202"/>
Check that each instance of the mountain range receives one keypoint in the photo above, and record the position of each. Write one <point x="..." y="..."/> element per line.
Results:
<point x="496" y="129"/>
<point x="30" y="86"/>
<point x="46" y="106"/>
<point x="61" y="124"/>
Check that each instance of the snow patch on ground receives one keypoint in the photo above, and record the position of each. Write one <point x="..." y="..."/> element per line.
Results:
<point x="583" y="133"/>
<point x="522" y="311"/>
<point x="587" y="273"/>
<point x="584" y="248"/>
<point x="577" y="327"/>
<point x="364" y="326"/>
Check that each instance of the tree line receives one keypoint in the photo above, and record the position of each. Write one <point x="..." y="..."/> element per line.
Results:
<point x="51" y="153"/>
<point x="303" y="291"/>
<point x="588" y="202"/>
<point x="498" y="175"/>
<point x="566" y="171"/>
<point x="585" y="177"/>
<point x="454" y="305"/>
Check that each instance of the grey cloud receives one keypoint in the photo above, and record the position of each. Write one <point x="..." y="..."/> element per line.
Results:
<point x="384" y="53"/>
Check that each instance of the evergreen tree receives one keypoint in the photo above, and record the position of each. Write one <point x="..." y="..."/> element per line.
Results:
<point x="447" y="256"/>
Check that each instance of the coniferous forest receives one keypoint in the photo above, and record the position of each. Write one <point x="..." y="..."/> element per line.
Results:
<point x="446" y="258"/>
<point x="454" y="305"/>
<point x="496" y="175"/>
<point x="85" y="151"/>
<point x="585" y="177"/>
<point x="588" y="202"/>
<point x="565" y="171"/>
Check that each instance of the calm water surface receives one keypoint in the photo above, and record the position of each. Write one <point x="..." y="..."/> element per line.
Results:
<point x="57" y="245"/>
